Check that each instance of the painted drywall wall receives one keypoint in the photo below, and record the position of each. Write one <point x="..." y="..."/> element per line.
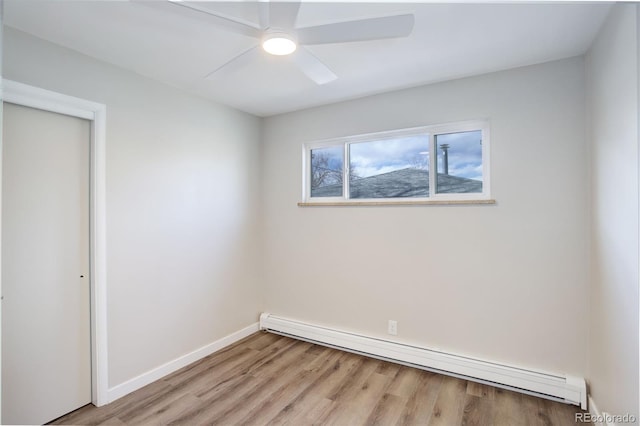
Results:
<point x="612" y="88"/>
<point x="182" y="206"/>
<point x="1" y="115"/>
<point x="506" y="282"/>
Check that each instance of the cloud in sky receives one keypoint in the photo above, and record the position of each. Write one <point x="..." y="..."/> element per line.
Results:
<point x="373" y="158"/>
<point x="333" y="155"/>
<point x="465" y="153"/>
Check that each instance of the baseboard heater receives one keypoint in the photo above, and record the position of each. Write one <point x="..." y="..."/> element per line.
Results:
<point x="563" y="388"/>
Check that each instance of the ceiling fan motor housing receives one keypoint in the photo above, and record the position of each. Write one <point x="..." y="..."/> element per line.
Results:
<point x="278" y="42"/>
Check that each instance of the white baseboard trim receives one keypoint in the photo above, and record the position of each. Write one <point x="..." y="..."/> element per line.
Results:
<point x="157" y="373"/>
<point x="557" y="387"/>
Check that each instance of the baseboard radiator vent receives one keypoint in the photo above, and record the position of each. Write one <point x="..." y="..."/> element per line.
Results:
<point x="567" y="389"/>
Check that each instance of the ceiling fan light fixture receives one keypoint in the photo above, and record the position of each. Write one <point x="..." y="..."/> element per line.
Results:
<point x="279" y="44"/>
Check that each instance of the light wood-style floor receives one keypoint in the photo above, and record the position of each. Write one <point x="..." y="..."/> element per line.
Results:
<point x="267" y="379"/>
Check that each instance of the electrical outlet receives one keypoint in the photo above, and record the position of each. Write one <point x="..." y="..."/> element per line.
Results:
<point x="393" y="327"/>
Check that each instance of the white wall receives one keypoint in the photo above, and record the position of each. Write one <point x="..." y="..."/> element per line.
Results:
<point x="1" y="115"/>
<point x="505" y="282"/>
<point x="182" y="206"/>
<point x="612" y="86"/>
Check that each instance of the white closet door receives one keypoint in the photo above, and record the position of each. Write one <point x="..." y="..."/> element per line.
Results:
<point x="46" y="352"/>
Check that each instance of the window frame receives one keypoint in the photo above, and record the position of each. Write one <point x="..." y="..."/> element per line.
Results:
<point x="432" y="131"/>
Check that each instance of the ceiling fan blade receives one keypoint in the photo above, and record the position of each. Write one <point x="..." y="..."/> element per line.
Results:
<point x="236" y="63"/>
<point x="283" y="14"/>
<point x="313" y="67"/>
<point x="360" y="30"/>
<point x="225" y="22"/>
<point x="263" y="14"/>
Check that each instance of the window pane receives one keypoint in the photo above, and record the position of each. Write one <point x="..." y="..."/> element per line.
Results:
<point x="390" y="168"/>
<point x="326" y="171"/>
<point x="459" y="162"/>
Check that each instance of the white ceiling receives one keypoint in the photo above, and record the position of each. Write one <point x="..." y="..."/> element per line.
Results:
<point x="454" y="40"/>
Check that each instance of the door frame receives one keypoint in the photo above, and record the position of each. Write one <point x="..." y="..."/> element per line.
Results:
<point x="35" y="97"/>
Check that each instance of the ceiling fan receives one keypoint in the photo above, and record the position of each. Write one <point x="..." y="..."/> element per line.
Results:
<point x="278" y="35"/>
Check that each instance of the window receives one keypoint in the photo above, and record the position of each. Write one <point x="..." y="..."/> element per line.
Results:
<point x="327" y="165"/>
<point x="395" y="166"/>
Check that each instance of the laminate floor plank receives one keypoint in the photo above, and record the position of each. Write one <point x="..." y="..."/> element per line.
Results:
<point x="164" y="413"/>
<point x="387" y="411"/>
<point x="316" y="412"/>
<point x="329" y="375"/>
<point x="350" y="386"/>
<point x="113" y="421"/>
<point x="389" y="369"/>
<point x="478" y="411"/>
<point x="535" y="411"/>
<point x="209" y="363"/>
<point x="508" y="408"/>
<point x="280" y="398"/>
<point x="450" y="404"/>
<point x="331" y="371"/>
<point x="261" y="340"/>
<point x="405" y="382"/>
<point x="420" y="403"/>
<point x="268" y="379"/>
<point x="322" y="358"/>
<point x="135" y="413"/>
<point x="356" y="407"/>
<point x="290" y="359"/>
<point x="481" y="390"/>
<point x="281" y="376"/>
<point x="217" y="408"/>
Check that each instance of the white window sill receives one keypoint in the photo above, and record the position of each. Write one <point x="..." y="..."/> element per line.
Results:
<point x="392" y="203"/>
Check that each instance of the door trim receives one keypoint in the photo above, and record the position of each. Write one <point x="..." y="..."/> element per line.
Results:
<point x="35" y="97"/>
